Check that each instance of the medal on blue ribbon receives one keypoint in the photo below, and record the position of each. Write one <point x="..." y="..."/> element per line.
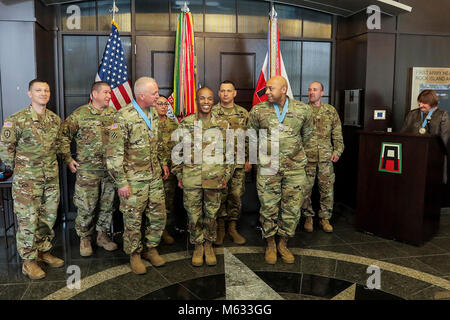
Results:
<point x="148" y="121"/>
<point x="423" y="130"/>
<point x="282" y="115"/>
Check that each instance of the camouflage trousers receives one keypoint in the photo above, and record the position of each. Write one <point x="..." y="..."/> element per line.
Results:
<point x="36" y="207"/>
<point x="325" y="179"/>
<point x="281" y="197"/>
<point x="93" y="189"/>
<point x="231" y="204"/>
<point x="202" y="206"/>
<point x="144" y="215"/>
<point x="170" y="185"/>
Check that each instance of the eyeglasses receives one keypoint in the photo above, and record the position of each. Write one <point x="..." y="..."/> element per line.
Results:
<point x="162" y="104"/>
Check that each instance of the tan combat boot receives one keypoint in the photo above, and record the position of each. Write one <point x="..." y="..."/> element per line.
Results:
<point x="220" y="232"/>
<point x="197" y="256"/>
<point x="153" y="256"/>
<point x="309" y="224"/>
<point x="326" y="226"/>
<point x="167" y="238"/>
<point x="237" y="238"/>
<point x="271" y="251"/>
<point x="136" y="264"/>
<point x="210" y="256"/>
<point x="85" y="247"/>
<point x="31" y="269"/>
<point x="51" y="260"/>
<point x="105" y="242"/>
<point x="285" y="254"/>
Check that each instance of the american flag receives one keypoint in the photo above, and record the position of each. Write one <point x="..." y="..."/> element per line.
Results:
<point x="113" y="69"/>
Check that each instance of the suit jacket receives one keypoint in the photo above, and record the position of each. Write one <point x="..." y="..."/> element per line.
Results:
<point x="438" y="125"/>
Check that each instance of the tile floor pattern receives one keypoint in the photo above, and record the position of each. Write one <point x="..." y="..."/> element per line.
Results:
<point x="327" y="266"/>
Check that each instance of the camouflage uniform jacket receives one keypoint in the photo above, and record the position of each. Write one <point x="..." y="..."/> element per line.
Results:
<point x="203" y="175"/>
<point x="134" y="152"/>
<point x="166" y="127"/>
<point x="237" y="120"/>
<point x="90" y="127"/>
<point x="30" y="146"/>
<point x="327" y="135"/>
<point x="296" y="130"/>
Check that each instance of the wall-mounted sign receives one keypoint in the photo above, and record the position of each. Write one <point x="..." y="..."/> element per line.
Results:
<point x="379" y="114"/>
<point x="437" y="79"/>
<point x="391" y="157"/>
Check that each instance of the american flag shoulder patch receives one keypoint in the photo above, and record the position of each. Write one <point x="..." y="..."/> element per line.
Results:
<point x="114" y="126"/>
<point x="7" y="124"/>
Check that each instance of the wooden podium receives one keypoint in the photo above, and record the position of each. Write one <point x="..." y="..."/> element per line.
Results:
<point x="399" y="185"/>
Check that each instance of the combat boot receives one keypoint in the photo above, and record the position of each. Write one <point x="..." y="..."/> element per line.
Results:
<point x="51" y="260"/>
<point x="136" y="264"/>
<point x="271" y="251"/>
<point x="326" y="226"/>
<point x="220" y="232"/>
<point x="309" y="224"/>
<point x="237" y="238"/>
<point x="105" y="242"/>
<point x="197" y="256"/>
<point x="210" y="256"/>
<point x="32" y="270"/>
<point x="153" y="256"/>
<point x="85" y="247"/>
<point x="285" y="254"/>
<point x="167" y="238"/>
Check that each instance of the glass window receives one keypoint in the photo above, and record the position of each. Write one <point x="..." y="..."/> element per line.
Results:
<point x="316" y="24"/>
<point x="80" y="55"/>
<point x="316" y="59"/>
<point x="196" y="8"/>
<point x="152" y="15"/>
<point x="220" y="16"/>
<point x="289" y="20"/>
<point x="87" y="21"/>
<point x="123" y="17"/>
<point x="291" y="52"/>
<point x="253" y="16"/>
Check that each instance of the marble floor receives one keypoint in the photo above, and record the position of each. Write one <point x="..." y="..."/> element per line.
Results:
<point x="327" y="267"/>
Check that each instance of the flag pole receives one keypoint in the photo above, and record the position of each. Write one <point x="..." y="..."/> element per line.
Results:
<point x="114" y="10"/>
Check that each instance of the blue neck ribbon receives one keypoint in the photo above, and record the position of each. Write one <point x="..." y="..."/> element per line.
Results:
<point x="285" y="109"/>
<point x="430" y="113"/>
<point x="143" y="116"/>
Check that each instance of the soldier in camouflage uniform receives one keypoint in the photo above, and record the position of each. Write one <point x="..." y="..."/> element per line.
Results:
<point x="166" y="127"/>
<point x="322" y="150"/>
<point x="202" y="181"/>
<point x="230" y="209"/>
<point x="29" y="144"/>
<point x="134" y="160"/>
<point x="89" y="125"/>
<point x="281" y="189"/>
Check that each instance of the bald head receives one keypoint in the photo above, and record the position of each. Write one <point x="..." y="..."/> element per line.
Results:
<point x="276" y="89"/>
<point x="204" y="89"/>
<point x="146" y="92"/>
